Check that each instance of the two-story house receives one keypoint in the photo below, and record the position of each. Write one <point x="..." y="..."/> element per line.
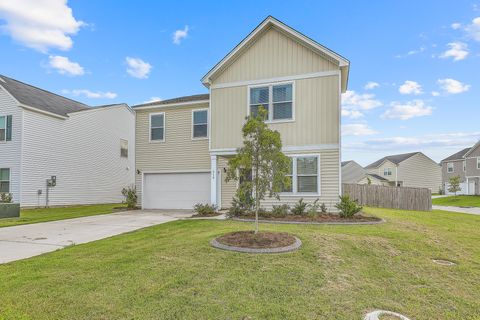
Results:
<point x="406" y="170"/>
<point x="88" y="151"/>
<point x="466" y="165"/>
<point x="184" y="144"/>
<point x="352" y="172"/>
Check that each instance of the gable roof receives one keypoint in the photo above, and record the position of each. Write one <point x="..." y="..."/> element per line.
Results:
<point x="33" y="97"/>
<point x="178" y="100"/>
<point x="475" y="146"/>
<point x="344" y="163"/>
<point x="376" y="176"/>
<point x="269" y="22"/>
<point x="396" y="159"/>
<point x="458" y="156"/>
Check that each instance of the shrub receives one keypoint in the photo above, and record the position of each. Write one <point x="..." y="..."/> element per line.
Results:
<point x="348" y="207"/>
<point x="205" y="209"/>
<point x="131" y="198"/>
<point x="5" y="198"/>
<point x="237" y="208"/>
<point x="299" y="208"/>
<point x="313" y="208"/>
<point x="323" y="208"/>
<point x="281" y="211"/>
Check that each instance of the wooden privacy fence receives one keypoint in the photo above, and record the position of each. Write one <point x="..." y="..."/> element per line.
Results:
<point x="419" y="199"/>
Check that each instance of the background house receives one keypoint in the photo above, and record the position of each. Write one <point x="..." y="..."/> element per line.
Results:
<point x="465" y="164"/>
<point x="90" y="151"/>
<point x="352" y="172"/>
<point x="408" y="170"/>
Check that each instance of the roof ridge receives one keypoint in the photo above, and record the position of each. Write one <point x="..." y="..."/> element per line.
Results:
<point x="159" y="102"/>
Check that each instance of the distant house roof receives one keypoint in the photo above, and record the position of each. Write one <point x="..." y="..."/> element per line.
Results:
<point x="37" y="98"/>
<point x="344" y="163"/>
<point x="192" y="98"/>
<point x="376" y="176"/>
<point x="457" y="156"/>
<point x="396" y="158"/>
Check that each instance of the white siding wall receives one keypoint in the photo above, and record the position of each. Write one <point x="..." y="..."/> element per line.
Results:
<point x="10" y="151"/>
<point x="82" y="151"/>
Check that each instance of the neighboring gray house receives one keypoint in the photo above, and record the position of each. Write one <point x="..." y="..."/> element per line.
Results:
<point x="374" y="179"/>
<point x="408" y="170"/>
<point x="352" y="172"/>
<point x="466" y="165"/>
<point x="91" y="151"/>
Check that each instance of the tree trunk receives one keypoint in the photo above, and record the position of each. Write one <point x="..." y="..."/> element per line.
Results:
<point x="257" y="204"/>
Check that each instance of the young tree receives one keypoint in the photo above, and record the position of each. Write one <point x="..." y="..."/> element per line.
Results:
<point x="454" y="184"/>
<point x="259" y="165"/>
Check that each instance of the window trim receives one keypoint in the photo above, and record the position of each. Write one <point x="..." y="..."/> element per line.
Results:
<point x="9" y="180"/>
<point x="464" y="164"/>
<point x="150" y="127"/>
<point x="270" y="86"/>
<point x="121" y="140"/>
<point x="478" y="162"/>
<point x="448" y="167"/>
<point x="193" y="124"/>
<point x="295" y="192"/>
<point x="389" y="172"/>
<point x="4" y="140"/>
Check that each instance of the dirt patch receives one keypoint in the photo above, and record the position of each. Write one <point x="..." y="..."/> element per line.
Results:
<point x="388" y="317"/>
<point x="261" y="240"/>
<point x="319" y="218"/>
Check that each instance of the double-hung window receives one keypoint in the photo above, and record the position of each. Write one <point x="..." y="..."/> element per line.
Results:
<point x="200" y="124"/>
<point x="450" y="167"/>
<point x="5" y="128"/>
<point x="157" y="127"/>
<point x="478" y="163"/>
<point x="4" y="180"/>
<point x="276" y="99"/>
<point x="304" y="175"/>
<point x="387" y="171"/>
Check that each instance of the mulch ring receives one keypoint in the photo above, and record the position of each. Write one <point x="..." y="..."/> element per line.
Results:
<point x="216" y="214"/>
<point x="321" y="218"/>
<point x="262" y="242"/>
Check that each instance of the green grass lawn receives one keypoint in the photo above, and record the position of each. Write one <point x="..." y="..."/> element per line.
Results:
<point x="341" y="272"/>
<point x="42" y="215"/>
<point x="458" y="201"/>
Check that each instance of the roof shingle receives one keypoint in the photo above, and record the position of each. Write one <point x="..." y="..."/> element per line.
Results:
<point x="192" y="98"/>
<point x="396" y="158"/>
<point x="457" y="156"/>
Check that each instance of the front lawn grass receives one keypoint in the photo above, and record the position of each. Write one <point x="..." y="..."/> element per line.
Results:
<point x="458" y="201"/>
<point x="170" y="272"/>
<point x="28" y="216"/>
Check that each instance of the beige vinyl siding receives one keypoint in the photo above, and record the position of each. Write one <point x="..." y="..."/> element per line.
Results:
<point x="316" y="113"/>
<point x="380" y="170"/>
<point x="421" y="172"/>
<point x="274" y="54"/>
<point x="179" y="152"/>
<point x="228" y="189"/>
<point x="457" y="171"/>
<point x="373" y="181"/>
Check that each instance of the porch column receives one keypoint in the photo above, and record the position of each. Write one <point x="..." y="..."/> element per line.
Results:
<point x="213" y="180"/>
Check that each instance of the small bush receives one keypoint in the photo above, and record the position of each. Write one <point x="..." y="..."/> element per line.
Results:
<point x="237" y="208"/>
<point x="131" y="198"/>
<point x="281" y="210"/>
<point x="5" y="198"/>
<point x="205" y="209"/>
<point x="299" y="208"/>
<point x="348" y="207"/>
<point x="313" y="208"/>
<point x="323" y="208"/>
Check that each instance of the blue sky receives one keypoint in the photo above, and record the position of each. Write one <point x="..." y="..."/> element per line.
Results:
<point x="421" y="58"/>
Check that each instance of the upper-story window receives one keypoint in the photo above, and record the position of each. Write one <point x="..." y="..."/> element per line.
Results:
<point x="478" y="163"/>
<point x="387" y="171"/>
<point x="464" y="165"/>
<point x="157" y="127"/>
<point x="4" y="180"/>
<point x="123" y="148"/>
<point x="276" y="99"/>
<point x="450" y="167"/>
<point x="5" y="128"/>
<point x="200" y="123"/>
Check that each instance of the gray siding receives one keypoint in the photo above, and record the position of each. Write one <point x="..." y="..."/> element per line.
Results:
<point x="420" y="171"/>
<point x="10" y="151"/>
<point x="457" y="171"/>
<point x="352" y="172"/>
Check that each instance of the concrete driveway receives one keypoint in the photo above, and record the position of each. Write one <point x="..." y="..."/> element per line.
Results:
<point x="25" y="241"/>
<point x="468" y="210"/>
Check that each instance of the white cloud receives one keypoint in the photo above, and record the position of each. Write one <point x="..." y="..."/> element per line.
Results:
<point x="153" y="99"/>
<point x="435" y="93"/>
<point x="371" y="85"/>
<point x="353" y="101"/>
<point x="407" y="110"/>
<point x="412" y="52"/>
<point x="357" y="129"/>
<point x="40" y="24"/>
<point x="473" y="29"/>
<point x="456" y="25"/>
<point x="453" y="86"/>
<point x="91" y="94"/>
<point x="458" y="51"/>
<point x="410" y="87"/>
<point x="352" y="114"/>
<point x="63" y="65"/>
<point x="138" y="68"/>
<point x="179" y="35"/>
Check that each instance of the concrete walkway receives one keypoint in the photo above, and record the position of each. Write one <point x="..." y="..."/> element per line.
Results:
<point x="470" y="210"/>
<point x="25" y="241"/>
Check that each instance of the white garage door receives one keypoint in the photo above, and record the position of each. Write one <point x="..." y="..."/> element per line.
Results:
<point x="175" y="190"/>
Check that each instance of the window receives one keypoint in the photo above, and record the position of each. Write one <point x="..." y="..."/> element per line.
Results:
<point x="3" y="129"/>
<point x="464" y="166"/>
<point x="157" y="127"/>
<point x="276" y="99"/>
<point x="387" y="171"/>
<point x="289" y="176"/>
<point x="4" y="180"/>
<point x="304" y="175"/>
<point x="450" y="167"/>
<point x="200" y="124"/>
<point x="478" y="163"/>
<point x="123" y="148"/>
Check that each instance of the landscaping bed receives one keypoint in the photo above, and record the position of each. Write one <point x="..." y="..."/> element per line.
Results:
<point x="248" y="239"/>
<point x="318" y="218"/>
<point x="207" y="215"/>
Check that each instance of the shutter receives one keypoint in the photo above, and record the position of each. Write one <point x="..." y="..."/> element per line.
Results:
<point x="9" y="128"/>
